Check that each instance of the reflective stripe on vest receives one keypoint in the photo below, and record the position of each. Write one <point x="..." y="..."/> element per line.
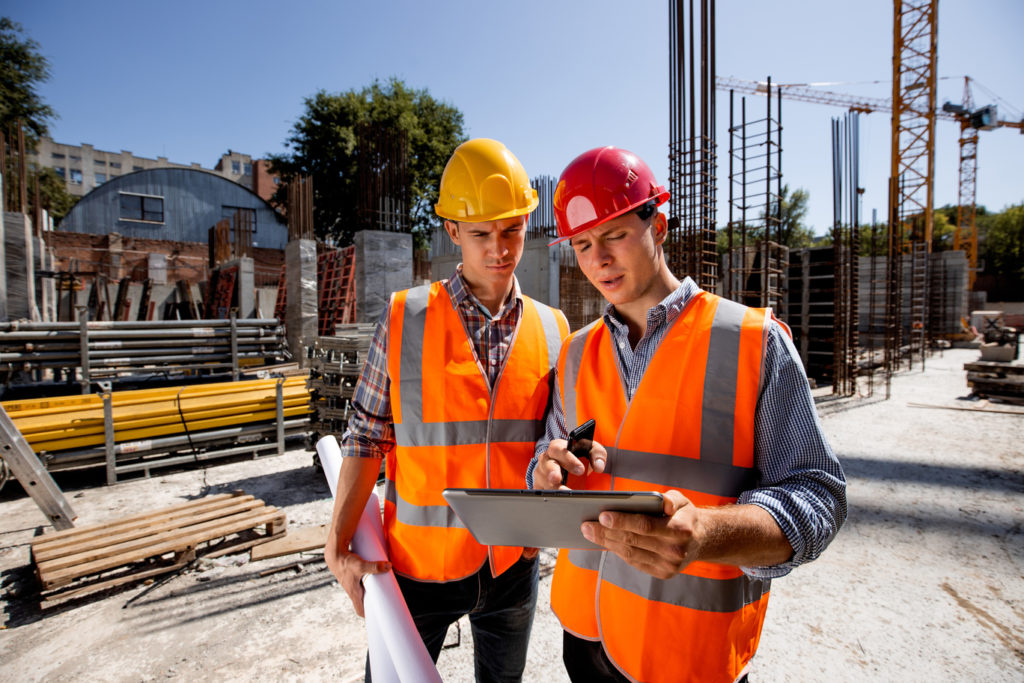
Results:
<point x="450" y="431"/>
<point x="688" y="427"/>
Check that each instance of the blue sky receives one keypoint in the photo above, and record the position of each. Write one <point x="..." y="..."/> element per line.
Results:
<point x="189" y="80"/>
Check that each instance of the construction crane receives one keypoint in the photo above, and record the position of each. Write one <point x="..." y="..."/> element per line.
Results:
<point x="971" y="121"/>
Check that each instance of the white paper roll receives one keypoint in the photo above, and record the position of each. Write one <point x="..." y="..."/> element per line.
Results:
<point x="397" y="652"/>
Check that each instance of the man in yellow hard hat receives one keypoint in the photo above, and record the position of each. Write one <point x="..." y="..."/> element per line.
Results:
<point x="453" y="394"/>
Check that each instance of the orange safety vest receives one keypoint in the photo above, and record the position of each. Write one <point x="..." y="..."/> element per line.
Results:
<point x="689" y="427"/>
<point x="453" y="431"/>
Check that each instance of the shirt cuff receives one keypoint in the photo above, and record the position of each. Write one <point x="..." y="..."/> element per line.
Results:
<point x="357" y="446"/>
<point x="774" y="503"/>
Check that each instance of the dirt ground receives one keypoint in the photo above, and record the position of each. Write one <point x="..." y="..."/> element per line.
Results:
<point x="924" y="582"/>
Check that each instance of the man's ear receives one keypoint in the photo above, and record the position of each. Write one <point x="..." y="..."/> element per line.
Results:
<point x="452" y="228"/>
<point x="660" y="226"/>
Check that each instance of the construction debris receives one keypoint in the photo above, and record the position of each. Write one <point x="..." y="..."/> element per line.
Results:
<point x="997" y="380"/>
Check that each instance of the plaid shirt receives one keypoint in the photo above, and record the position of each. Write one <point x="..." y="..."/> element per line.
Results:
<point x="371" y="430"/>
<point x="800" y="481"/>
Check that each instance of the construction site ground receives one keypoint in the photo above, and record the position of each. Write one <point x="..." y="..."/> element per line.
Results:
<point x="924" y="582"/>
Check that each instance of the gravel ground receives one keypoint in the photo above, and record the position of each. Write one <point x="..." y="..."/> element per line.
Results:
<point x="924" y="582"/>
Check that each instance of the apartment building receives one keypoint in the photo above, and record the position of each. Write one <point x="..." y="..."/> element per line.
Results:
<point x="84" y="168"/>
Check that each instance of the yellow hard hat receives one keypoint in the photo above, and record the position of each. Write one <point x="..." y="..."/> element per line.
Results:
<point x="483" y="181"/>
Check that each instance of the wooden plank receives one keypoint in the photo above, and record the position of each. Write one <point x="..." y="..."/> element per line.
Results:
<point x="109" y="557"/>
<point x="146" y="533"/>
<point x="295" y="541"/>
<point x="1012" y="368"/>
<point x="102" y="529"/>
<point x="179" y="561"/>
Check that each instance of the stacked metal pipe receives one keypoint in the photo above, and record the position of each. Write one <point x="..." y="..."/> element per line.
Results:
<point x="100" y="349"/>
<point x="72" y="430"/>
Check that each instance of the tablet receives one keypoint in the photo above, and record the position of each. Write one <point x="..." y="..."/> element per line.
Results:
<point x="542" y="519"/>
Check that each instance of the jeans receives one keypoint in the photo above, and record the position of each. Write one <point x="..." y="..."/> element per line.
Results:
<point x="585" y="661"/>
<point x="500" y="613"/>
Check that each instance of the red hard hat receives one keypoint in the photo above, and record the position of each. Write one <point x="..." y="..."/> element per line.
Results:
<point x="599" y="185"/>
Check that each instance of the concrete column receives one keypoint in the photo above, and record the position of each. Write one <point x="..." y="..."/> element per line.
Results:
<point x="301" y="316"/>
<point x="383" y="266"/>
<point x="538" y="272"/>
<point x="115" y="248"/>
<point x="20" y="280"/>
<point x="245" y="284"/>
<point x="3" y="261"/>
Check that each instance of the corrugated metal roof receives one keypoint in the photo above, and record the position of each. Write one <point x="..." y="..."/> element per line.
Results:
<point x="193" y="201"/>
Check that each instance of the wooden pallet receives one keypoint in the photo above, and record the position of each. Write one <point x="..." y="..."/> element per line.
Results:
<point x="91" y="558"/>
<point x="995" y="379"/>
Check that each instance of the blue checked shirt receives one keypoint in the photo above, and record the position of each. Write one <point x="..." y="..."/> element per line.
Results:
<point x="371" y="430"/>
<point x="800" y="481"/>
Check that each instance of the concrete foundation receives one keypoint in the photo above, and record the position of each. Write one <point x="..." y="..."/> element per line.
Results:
<point x="245" y="285"/>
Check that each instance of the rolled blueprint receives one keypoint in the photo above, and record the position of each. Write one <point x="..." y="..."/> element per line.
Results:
<point x="397" y="652"/>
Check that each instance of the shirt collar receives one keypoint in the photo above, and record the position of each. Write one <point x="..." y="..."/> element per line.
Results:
<point x="663" y="313"/>
<point x="460" y="293"/>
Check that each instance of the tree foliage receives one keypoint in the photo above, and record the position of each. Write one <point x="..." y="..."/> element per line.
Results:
<point x="53" y="194"/>
<point x="794" y="233"/>
<point x="324" y="144"/>
<point x="22" y="69"/>
<point x="1001" y="238"/>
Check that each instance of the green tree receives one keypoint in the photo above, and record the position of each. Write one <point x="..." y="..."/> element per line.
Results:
<point x="22" y="69"/>
<point x="53" y="194"/>
<point x="324" y="145"/>
<point x="1001" y="245"/>
<point x="794" y="233"/>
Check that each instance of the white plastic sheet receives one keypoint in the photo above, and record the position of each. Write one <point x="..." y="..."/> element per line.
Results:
<point x="397" y="652"/>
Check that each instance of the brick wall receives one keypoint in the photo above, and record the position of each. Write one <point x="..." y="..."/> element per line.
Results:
<point x="116" y="256"/>
<point x="263" y="180"/>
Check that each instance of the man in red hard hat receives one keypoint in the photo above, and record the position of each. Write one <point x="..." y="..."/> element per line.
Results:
<point x="453" y="394"/>
<point x="695" y="396"/>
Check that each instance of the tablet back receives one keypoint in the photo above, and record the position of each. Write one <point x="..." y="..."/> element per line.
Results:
<point x="542" y="519"/>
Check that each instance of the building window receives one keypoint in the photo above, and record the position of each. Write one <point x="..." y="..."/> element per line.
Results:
<point x="246" y="218"/>
<point x="75" y="157"/>
<point x="76" y="176"/>
<point x="115" y="164"/>
<point x="248" y="169"/>
<point x="236" y="167"/>
<point x="141" y="207"/>
<point x="136" y="168"/>
<point x="61" y="172"/>
<point x="100" y="178"/>
<point x="100" y="162"/>
<point x="57" y="155"/>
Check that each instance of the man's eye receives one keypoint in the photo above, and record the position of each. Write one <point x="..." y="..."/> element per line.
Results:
<point x="617" y="236"/>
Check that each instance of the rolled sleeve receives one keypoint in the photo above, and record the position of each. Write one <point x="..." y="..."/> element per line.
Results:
<point x="801" y="483"/>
